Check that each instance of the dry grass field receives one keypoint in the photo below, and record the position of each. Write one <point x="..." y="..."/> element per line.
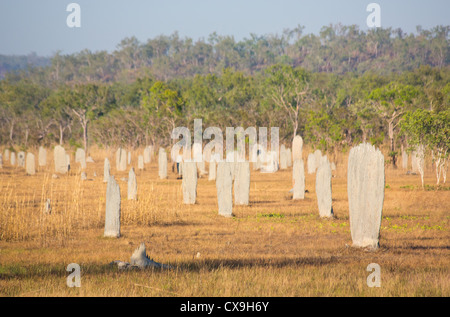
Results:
<point x="273" y="247"/>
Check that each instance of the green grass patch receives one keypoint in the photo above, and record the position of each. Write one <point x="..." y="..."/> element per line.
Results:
<point x="436" y="187"/>
<point x="271" y="215"/>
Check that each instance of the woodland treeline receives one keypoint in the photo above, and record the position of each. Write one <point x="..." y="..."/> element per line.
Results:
<point x="335" y="89"/>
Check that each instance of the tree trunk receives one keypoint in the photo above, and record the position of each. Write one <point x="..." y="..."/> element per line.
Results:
<point x="295" y="127"/>
<point x="84" y="123"/>
<point x="438" y="170"/>
<point x="394" y="156"/>
<point x="11" y="132"/>
<point x="85" y="136"/>
<point x="27" y="132"/>
<point x="61" y="134"/>
<point x="391" y="138"/>
<point x="444" y="170"/>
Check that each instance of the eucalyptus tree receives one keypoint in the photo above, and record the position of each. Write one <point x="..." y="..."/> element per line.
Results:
<point x="391" y="102"/>
<point x="18" y="102"/>
<point x="53" y="107"/>
<point x="86" y="103"/>
<point x="289" y="90"/>
<point x="163" y="107"/>
<point x="431" y="130"/>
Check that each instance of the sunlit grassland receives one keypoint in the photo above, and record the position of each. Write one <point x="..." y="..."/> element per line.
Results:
<point x="273" y="247"/>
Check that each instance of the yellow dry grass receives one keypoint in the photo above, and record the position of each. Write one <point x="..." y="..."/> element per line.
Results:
<point x="273" y="247"/>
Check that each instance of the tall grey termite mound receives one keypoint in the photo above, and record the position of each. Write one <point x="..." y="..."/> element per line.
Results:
<point x="162" y="163"/>
<point x="132" y="185"/>
<point x="212" y="171"/>
<point x="289" y="157"/>
<point x="6" y="158"/>
<point x="323" y="189"/>
<point x="106" y="168"/>
<point x="298" y="175"/>
<point x="60" y="159"/>
<point x="147" y="155"/>
<point x="42" y="157"/>
<point x="224" y="184"/>
<point x="213" y="167"/>
<point x="189" y="182"/>
<point x="311" y="163"/>
<point x="21" y="159"/>
<point x="80" y="157"/>
<point x="30" y="164"/>
<point x="12" y="160"/>
<point x="365" y="187"/>
<point x="242" y="183"/>
<point x="112" y="214"/>
<point x="121" y="160"/>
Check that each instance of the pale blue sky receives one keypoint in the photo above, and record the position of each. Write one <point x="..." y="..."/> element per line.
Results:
<point x="40" y="25"/>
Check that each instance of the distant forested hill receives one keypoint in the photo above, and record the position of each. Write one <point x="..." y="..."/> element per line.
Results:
<point x="11" y="63"/>
<point x="336" y="89"/>
<point x="337" y="49"/>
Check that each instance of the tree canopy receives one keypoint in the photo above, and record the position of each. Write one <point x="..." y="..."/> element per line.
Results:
<point x="335" y="89"/>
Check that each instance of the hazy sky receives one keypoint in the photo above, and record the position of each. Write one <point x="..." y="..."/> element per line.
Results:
<point x="40" y="25"/>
